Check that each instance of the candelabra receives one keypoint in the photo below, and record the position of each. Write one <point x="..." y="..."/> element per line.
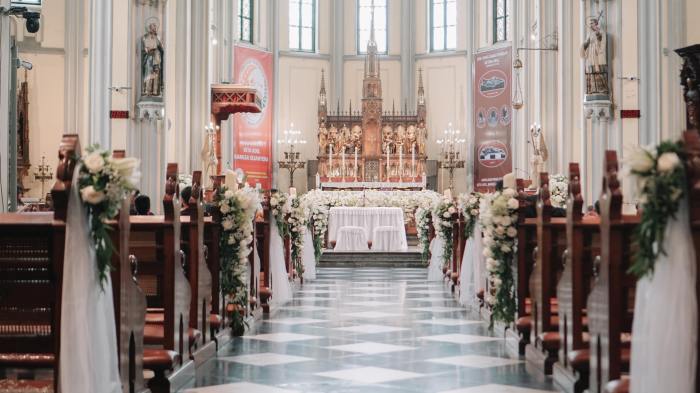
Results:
<point x="292" y="160"/>
<point x="449" y="152"/>
<point x="43" y="175"/>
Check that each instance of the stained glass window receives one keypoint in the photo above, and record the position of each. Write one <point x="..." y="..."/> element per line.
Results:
<point x="245" y="20"/>
<point x="500" y="21"/>
<point x="443" y="22"/>
<point x="302" y="25"/>
<point x="365" y="10"/>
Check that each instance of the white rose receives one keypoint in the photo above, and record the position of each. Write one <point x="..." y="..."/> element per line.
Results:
<point x="273" y="202"/>
<point x="225" y="208"/>
<point x="487" y="252"/>
<point x="474" y="212"/>
<point x="94" y="162"/>
<point x="668" y="162"/>
<point x="446" y="214"/>
<point x="125" y="166"/>
<point x="92" y="196"/>
<point x="505" y="221"/>
<point x="227" y="225"/>
<point x="500" y="230"/>
<point x="509" y="192"/>
<point x="512" y="232"/>
<point x="513" y="204"/>
<point x="505" y="248"/>
<point x="640" y="161"/>
<point x="229" y="194"/>
<point x="452" y="210"/>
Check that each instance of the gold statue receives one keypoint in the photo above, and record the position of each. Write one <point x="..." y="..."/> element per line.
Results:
<point x="356" y="137"/>
<point x="323" y="139"/>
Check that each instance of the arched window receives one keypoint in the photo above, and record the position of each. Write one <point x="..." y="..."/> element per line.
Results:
<point x="500" y="21"/>
<point x="443" y="25"/>
<point x="302" y="25"/>
<point x="245" y="20"/>
<point x="366" y="9"/>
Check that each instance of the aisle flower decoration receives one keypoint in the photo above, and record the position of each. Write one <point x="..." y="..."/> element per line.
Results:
<point x="469" y="204"/>
<point x="660" y="176"/>
<point x="297" y="221"/>
<point x="444" y="220"/>
<point x="238" y="209"/>
<point x="280" y="207"/>
<point x="498" y="219"/>
<point x="423" y="217"/>
<point x="559" y="190"/>
<point x="319" y="226"/>
<point x="104" y="182"/>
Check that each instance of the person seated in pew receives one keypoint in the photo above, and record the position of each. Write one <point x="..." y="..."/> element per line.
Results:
<point x="591" y="212"/>
<point x="132" y="203"/>
<point x="142" y="204"/>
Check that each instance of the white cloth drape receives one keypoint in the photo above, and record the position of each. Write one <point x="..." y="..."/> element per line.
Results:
<point x="665" y="328"/>
<point x="471" y="275"/>
<point x="351" y="239"/>
<point x="435" y="267"/>
<point x="88" y="361"/>
<point x="281" y="289"/>
<point x="308" y="256"/>
<point x="367" y="218"/>
<point x="388" y="239"/>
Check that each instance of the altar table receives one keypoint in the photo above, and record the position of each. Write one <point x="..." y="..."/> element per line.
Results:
<point x="367" y="218"/>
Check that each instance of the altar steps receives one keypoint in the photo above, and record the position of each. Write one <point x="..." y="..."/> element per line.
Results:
<point x="410" y="259"/>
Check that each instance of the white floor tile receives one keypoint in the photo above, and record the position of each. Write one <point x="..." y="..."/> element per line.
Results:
<point x="459" y="338"/>
<point x="305" y="308"/>
<point x="438" y="309"/>
<point x="372" y="295"/>
<point x="265" y="359"/>
<point x="240" y="387"/>
<point x="475" y="361"/>
<point x="493" y="388"/>
<point x="282" y="337"/>
<point x="370" y="375"/>
<point x="371" y="329"/>
<point x="372" y="303"/>
<point x="448" y="322"/>
<point x="371" y="314"/>
<point x="371" y="348"/>
<point x="295" y="321"/>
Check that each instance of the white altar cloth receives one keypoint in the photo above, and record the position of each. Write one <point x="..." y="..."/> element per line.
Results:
<point x="367" y="218"/>
<point x="351" y="239"/>
<point x="388" y="239"/>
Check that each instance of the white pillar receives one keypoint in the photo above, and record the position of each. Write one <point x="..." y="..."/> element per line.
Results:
<point x="73" y="68"/>
<point x="472" y="37"/>
<point x="4" y="104"/>
<point x="565" y="84"/>
<point x="181" y="86"/>
<point x="100" y="54"/>
<point x="199" y="80"/>
<point x="337" y="54"/>
<point x="408" y="53"/>
<point x="599" y="113"/>
<point x="649" y="70"/>
<point x="274" y="47"/>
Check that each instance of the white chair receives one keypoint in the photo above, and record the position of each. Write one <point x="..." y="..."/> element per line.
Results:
<point x="387" y="238"/>
<point x="351" y="239"/>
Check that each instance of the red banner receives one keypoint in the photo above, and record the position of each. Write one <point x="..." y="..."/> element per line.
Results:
<point x="493" y="114"/>
<point x="252" y="132"/>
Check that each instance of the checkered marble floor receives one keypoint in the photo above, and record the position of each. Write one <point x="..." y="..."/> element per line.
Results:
<point x="368" y="330"/>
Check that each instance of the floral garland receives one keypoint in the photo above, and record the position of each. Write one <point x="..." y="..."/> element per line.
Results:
<point x="298" y="220"/>
<point x="444" y="220"/>
<point x="423" y="218"/>
<point x="558" y="190"/>
<point x="104" y="182"/>
<point x="499" y="216"/>
<point x="319" y="225"/>
<point x="469" y="204"/>
<point x="661" y="183"/>
<point x="280" y="208"/>
<point x="238" y="209"/>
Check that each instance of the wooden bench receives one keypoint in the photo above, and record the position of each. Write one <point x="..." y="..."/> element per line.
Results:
<point x="551" y="241"/>
<point x="691" y="139"/>
<point x="31" y="278"/>
<point x="212" y="239"/>
<point x="527" y="243"/>
<point x="263" y="236"/>
<point x="611" y="301"/>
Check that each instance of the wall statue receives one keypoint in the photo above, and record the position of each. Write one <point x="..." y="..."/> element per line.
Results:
<point x="539" y="156"/>
<point x="152" y="55"/>
<point x="387" y="139"/>
<point x="323" y="139"/>
<point x="595" y="52"/>
<point x="356" y="136"/>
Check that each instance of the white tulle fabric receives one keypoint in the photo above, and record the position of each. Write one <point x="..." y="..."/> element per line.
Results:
<point x="665" y="328"/>
<point x="471" y="274"/>
<point x="281" y="289"/>
<point x="88" y="335"/>
<point x="435" y="266"/>
<point x="309" y="257"/>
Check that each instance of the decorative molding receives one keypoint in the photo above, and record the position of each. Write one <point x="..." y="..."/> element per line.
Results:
<point x="597" y="110"/>
<point x="380" y="56"/>
<point x="305" y="55"/>
<point x="149" y="110"/>
<point x="442" y="54"/>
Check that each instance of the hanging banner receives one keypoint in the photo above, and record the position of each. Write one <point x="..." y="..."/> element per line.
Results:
<point x="252" y="132"/>
<point x="492" y="116"/>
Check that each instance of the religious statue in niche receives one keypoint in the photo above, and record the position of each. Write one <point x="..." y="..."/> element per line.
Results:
<point x="323" y="139"/>
<point x="595" y="52"/>
<point x="152" y="54"/>
<point x="539" y="156"/>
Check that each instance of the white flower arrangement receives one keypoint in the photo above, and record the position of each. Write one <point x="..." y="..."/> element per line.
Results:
<point x="238" y="210"/>
<point x="104" y="182"/>
<point x="423" y="220"/>
<point x="469" y="205"/>
<point x="279" y="204"/>
<point x="558" y="190"/>
<point x="444" y="220"/>
<point x="498" y="219"/>
<point x="298" y="220"/>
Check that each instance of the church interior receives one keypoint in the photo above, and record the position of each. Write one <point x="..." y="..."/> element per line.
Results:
<point x="285" y="196"/>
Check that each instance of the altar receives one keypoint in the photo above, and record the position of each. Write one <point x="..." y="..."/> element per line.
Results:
<point x="375" y="221"/>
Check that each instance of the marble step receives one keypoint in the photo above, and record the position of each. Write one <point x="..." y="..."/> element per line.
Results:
<point x="411" y="259"/>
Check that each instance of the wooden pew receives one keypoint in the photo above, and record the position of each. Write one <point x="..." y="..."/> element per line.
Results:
<point x="527" y="243"/>
<point x="155" y="241"/>
<point x="691" y="139"/>
<point x="31" y="279"/>
<point x="551" y="240"/>
<point x="583" y="247"/>
<point x="611" y="300"/>
<point x="456" y="265"/>
<point x="212" y="238"/>
<point x="263" y="234"/>
<point x="198" y="274"/>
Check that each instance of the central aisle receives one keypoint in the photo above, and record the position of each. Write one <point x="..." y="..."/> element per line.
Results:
<point x="368" y="330"/>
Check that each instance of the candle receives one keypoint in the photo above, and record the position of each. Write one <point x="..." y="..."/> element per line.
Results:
<point x="231" y="180"/>
<point x="448" y="193"/>
<point x="342" y="165"/>
<point x="355" y="162"/>
<point x="387" y="163"/>
<point x="400" y="161"/>
<point x="413" y="160"/>
<point x="318" y="180"/>
<point x="292" y="192"/>
<point x="330" y="161"/>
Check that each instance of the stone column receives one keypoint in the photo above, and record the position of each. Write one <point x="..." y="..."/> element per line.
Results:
<point x="199" y="80"/>
<point x="4" y="103"/>
<point x="599" y="113"/>
<point x="649" y="41"/>
<point x="100" y="54"/>
<point x="181" y="98"/>
<point x="408" y="53"/>
<point x="274" y="47"/>
<point x="73" y="68"/>
<point x="337" y="48"/>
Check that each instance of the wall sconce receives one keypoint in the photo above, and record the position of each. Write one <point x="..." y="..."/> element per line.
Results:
<point x="518" y="92"/>
<point x="553" y="46"/>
